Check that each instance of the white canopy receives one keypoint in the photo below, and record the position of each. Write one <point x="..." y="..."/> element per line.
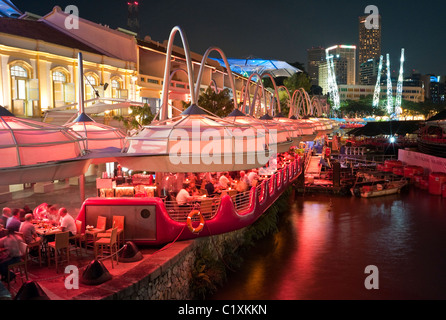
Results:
<point x="196" y="142"/>
<point x="96" y="135"/>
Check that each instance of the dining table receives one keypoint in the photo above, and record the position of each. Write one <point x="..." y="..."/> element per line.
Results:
<point x="45" y="231"/>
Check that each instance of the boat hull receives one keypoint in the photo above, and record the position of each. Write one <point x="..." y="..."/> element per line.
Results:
<point x="384" y="192"/>
<point x="148" y="222"/>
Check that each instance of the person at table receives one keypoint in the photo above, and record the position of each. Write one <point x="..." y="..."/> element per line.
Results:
<point x="12" y="254"/>
<point x="183" y="197"/>
<point x="13" y="223"/>
<point x="53" y="215"/>
<point x="193" y="191"/>
<point x="209" y="186"/>
<point x="225" y="180"/>
<point x="244" y="177"/>
<point x="6" y="214"/>
<point x="67" y="222"/>
<point x="242" y="186"/>
<point x="29" y="232"/>
<point x="252" y="176"/>
<point x="217" y="186"/>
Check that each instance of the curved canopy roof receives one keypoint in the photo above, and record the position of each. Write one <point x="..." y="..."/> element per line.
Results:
<point x="25" y="142"/>
<point x="196" y="141"/>
<point x="96" y="135"/>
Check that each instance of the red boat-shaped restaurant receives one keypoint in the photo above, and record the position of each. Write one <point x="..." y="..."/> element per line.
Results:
<point x="157" y="220"/>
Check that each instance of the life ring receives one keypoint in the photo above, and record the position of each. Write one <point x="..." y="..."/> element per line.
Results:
<point x="189" y="221"/>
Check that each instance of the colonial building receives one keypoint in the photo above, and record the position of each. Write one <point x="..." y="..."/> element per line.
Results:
<point x="38" y="67"/>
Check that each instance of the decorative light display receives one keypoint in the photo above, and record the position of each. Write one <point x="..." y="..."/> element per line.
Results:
<point x="333" y="87"/>
<point x="378" y="83"/>
<point x="399" y="87"/>
<point x="389" y="87"/>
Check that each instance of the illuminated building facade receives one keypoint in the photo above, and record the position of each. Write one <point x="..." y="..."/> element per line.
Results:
<point x="356" y="92"/>
<point x="38" y="66"/>
<point x="369" y="47"/>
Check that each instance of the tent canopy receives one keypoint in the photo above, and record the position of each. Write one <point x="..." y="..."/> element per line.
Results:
<point x="30" y="142"/>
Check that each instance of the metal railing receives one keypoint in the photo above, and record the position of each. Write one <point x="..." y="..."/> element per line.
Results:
<point x="209" y="206"/>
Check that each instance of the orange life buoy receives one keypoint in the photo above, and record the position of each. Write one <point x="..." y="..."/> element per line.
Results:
<point x="189" y="221"/>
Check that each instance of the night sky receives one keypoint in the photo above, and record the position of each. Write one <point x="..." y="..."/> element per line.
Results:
<point x="280" y="29"/>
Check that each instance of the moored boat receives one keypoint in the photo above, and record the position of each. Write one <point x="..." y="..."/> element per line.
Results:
<point x="383" y="189"/>
<point x="157" y="221"/>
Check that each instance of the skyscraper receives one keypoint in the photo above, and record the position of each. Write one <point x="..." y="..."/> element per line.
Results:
<point x="133" y="16"/>
<point x="369" y="46"/>
<point x="344" y="66"/>
<point x="315" y="57"/>
<point x="345" y="55"/>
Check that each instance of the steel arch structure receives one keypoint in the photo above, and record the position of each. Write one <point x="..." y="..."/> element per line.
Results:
<point x="228" y="67"/>
<point x="167" y="68"/>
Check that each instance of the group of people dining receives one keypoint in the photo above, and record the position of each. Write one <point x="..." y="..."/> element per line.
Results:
<point x="216" y="183"/>
<point x="20" y="225"/>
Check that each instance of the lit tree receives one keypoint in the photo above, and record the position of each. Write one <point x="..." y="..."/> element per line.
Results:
<point x="138" y="117"/>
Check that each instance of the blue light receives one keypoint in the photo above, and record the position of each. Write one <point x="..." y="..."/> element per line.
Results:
<point x="392" y="139"/>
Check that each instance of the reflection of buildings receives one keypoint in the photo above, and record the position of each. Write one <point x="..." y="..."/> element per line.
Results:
<point x="369" y="48"/>
<point x="38" y="66"/>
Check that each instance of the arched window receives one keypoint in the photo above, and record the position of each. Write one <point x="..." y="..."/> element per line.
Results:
<point x="60" y="78"/>
<point x="19" y="85"/>
<point x="19" y="71"/>
<point x="115" y="87"/>
<point x="91" y="82"/>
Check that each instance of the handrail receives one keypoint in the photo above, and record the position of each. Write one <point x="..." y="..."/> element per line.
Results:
<point x="242" y="201"/>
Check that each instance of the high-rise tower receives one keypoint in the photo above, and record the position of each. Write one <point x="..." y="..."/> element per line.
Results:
<point x="369" y="47"/>
<point x="315" y="56"/>
<point x="133" y="16"/>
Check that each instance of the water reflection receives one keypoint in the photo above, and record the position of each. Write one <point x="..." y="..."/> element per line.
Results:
<point x="326" y="242"/>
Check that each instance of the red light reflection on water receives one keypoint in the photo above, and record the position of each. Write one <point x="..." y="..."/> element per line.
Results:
<point x="311" y="235"/>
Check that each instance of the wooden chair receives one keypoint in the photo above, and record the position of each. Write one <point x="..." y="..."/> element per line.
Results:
<point x="79" y="237"/>
<point x="100" y="227"/>
<point x="21" y="267"/>
<point x="118" y="223"/>
<point x="109" y="243"/>
<point x="61" y="243"/>
<point x="38" y="245"/>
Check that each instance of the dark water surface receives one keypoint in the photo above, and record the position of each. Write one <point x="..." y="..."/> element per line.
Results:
<point x="326" y="242"/>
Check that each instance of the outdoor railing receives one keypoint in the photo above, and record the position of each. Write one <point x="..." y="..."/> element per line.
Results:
<point x="242" y="201"/>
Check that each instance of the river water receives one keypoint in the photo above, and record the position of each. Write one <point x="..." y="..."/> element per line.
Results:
<point x="325" y="243"/>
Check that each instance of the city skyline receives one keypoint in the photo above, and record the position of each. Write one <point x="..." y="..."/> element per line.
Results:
<point x="284" y="31"/>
